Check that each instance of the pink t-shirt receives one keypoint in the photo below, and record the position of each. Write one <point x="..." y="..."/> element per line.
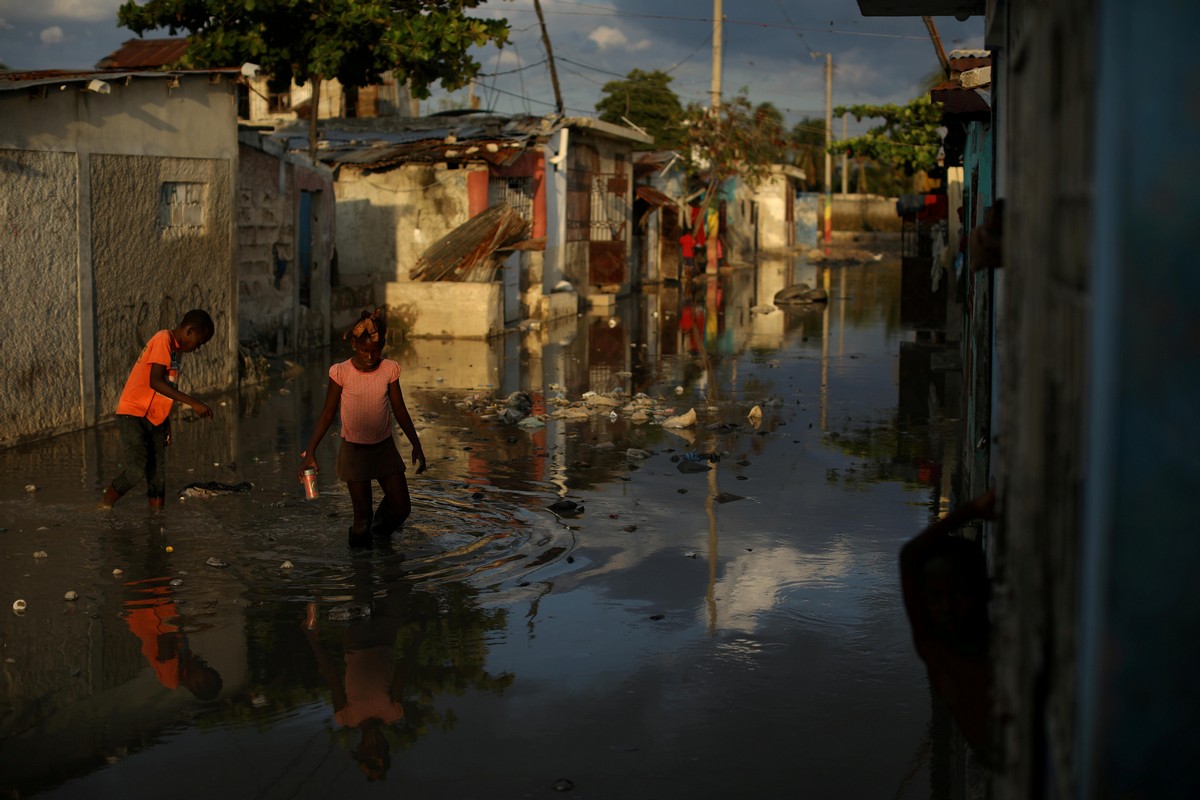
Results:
<point x="366" y="411"/>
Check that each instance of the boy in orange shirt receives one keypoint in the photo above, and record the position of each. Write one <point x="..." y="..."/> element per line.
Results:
<point x="143" y="412"/>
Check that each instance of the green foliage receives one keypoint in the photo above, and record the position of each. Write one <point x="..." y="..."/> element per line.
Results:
<point x="646" y="100"/>
<point x="806" y="144"/>
<point x="734" y="139"/>
<point x="908" y="139"/>
<point x="355" y="41"/>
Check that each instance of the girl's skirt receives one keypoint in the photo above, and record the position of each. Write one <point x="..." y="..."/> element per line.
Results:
<point x="365" y="462"/>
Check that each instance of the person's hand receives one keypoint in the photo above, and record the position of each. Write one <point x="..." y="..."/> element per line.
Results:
<point x="202" y="411"/>
<point x="418" y="455"/>
<point x="306" y="461"/>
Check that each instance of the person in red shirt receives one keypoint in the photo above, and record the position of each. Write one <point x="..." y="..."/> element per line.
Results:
<point x="143" y="412"/>
<point x="366" y="388"/>
<point x="687" y="244"/>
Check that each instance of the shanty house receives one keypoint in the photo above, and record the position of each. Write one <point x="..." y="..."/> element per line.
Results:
<point x="411" y="194"/>
<point x="116" y="206"/>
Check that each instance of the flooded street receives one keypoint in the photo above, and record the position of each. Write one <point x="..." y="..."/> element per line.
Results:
<point x="714" y="612"/>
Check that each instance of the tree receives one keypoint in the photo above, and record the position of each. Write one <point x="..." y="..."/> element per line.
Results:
<point x="355" y="41"/>
<point x="646" y="100"/>
<point x="733" y="139"/>
<point x="907" y="140"/>
<point x="807" y="146"/>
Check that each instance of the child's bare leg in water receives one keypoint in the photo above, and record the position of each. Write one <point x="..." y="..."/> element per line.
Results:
<point x="360" y="497"/>
<point x="395" y="506"/>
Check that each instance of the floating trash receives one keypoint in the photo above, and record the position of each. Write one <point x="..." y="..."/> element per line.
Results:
<point x="18" y="606"/>
<point x="117" y="571"/>
<point x="213" y="561"/>
<point x="349" y="612"/>
<point x="71" y="596"/>
<point x="39" y="554"/>
<point x="286" y="565"/>
<point x="29" y="487"/>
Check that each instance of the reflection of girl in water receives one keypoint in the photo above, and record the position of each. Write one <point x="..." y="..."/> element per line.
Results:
<point x="368" y="699"/>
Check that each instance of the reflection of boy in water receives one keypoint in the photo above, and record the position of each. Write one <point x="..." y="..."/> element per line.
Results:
<point x="369" y="698"/>
<point x="164" y="644"/>
<point x="945" y="585"/>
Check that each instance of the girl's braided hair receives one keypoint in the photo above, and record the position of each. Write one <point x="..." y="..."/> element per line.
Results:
<point x="370" y="327"/>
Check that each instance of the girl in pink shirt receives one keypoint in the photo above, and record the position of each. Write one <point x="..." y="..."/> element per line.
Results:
<point x="367" y="389"/>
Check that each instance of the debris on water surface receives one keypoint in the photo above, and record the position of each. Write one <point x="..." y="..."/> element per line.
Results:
<point x="755" y="416"/>
<point x="636" y="454"/>
<point x="349" y="612"/>
<point x="177" y="581"/>
<point x="39" y="554"/>
<point x="31" y="488"/>
<point x="286" y="565"/>
<point x="566" y="508"/>
<point x="682" y="421"/>
<point x="19" y="606"/>
<point x="213" y="561"/>
<point x="726" y="497"/>
<point x="71" y="596"/>
<point x="563" y="785"/>
<point x="116" y="572"/>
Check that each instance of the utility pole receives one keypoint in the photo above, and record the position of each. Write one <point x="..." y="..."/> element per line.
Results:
<point x="828" y="144"/>
<point x="558" y="103"/>
<point x="937" y="45"/>
<point x="845" y="160"/>
<point x="715" y="102"/>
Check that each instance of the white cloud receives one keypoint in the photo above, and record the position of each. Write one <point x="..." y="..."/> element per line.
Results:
<point x="605" y="37"/>
<point x="5" y="25"/>
<point x="61" y="10"/>
<point x="52" y="35"/>
<point x="508" y="57"/>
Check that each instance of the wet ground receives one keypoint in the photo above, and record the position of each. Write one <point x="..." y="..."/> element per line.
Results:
<point x="718" y="616"/>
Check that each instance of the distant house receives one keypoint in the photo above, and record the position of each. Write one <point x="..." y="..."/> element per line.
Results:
<point x="404" y="185"/>
<point x="261" y="99"/>
<point x="117" y="209"/>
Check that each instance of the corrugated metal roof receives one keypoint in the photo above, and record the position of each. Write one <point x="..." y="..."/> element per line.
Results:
<point x="145" y="54"/>
<point x="655" y="197"/>
<point x="17" y="80"/>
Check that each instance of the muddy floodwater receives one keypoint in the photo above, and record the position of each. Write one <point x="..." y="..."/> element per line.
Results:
<point x="710" y="612"/>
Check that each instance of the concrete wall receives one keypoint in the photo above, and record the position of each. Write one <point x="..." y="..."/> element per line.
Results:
<point x="146" y="277"/>
<point x="39" y="281"/>
<point x="447" y="309"/>
<point x="84" y="211"/>
<point x="269" y="310"/>
<point x="865" y="212"/>
<point x="385" y="220"/>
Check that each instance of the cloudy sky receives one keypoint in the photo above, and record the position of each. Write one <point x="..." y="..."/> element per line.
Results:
<point x="774" y="48"/>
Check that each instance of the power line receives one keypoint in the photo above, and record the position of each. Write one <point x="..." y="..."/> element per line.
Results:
<point x="747" y="22"/>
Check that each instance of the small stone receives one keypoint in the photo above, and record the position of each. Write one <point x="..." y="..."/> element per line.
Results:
<point x="657" y="617"/>
<point x="71" y="596"/>
<point x="213" y="561"/>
